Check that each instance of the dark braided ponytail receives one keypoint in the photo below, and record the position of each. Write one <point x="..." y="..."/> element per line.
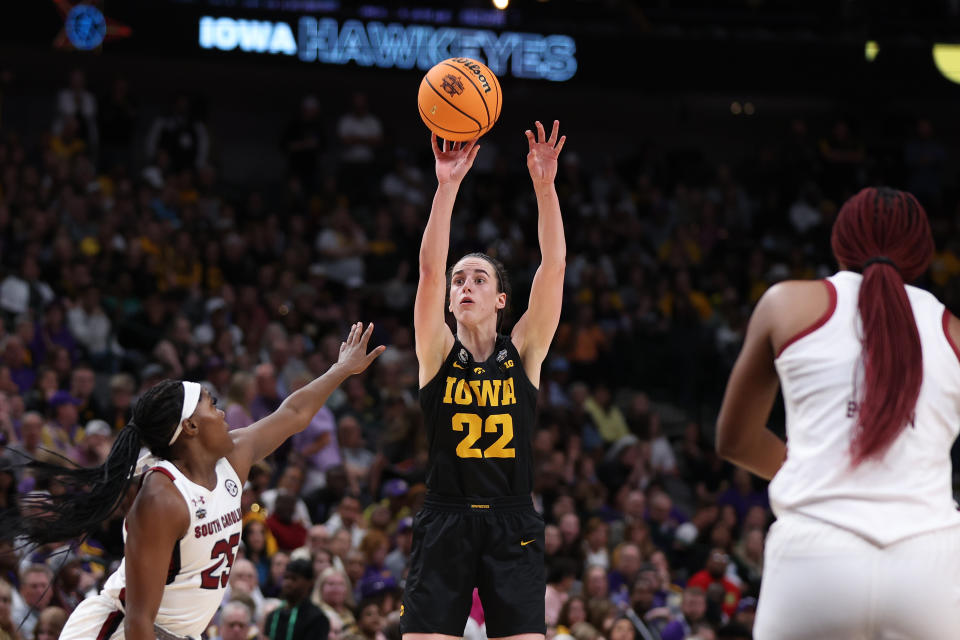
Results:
<point x="884" y="234"/>
<point x="92" y="494"/>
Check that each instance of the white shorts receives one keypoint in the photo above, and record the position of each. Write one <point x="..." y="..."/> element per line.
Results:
<point x="820" y="581"/>
<point x="96" y="618"/>
<point x="101" y="618"/>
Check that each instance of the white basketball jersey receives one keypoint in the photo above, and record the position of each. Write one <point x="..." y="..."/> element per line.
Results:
<point x="907" y="491"/>
<point x="201" y="560"/>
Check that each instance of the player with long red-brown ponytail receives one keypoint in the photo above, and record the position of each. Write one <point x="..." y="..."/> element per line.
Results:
<point x="867" y="533"/>
<point x="885" y="235"/>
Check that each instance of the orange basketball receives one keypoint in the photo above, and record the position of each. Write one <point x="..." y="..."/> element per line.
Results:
<point x="460" y="99"/>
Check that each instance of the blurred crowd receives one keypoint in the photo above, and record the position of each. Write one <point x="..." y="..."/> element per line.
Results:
<point x="117" y="272"/>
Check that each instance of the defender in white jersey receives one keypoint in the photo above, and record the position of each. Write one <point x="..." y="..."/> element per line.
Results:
<point x="199" y="565"/>
<point x="867" y="539"/>
<point x="184" y="526"/>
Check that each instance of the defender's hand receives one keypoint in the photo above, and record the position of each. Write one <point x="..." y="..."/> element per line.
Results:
<point x="353" y="351"/>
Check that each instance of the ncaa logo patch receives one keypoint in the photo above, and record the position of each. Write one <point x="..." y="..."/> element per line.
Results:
<point x="231" y="487"/>
<point x="201" y="514"/>
<point x="502" y="355"/>
<point x="464" y="356"/>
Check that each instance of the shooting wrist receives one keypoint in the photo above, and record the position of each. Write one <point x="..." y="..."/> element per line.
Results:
<point x="544" y="189"/>
<point x="450" y="184"/>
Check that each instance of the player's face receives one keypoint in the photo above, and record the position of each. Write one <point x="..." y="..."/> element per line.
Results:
<point x="214" y="431"/>
<point x="473" y="291"/>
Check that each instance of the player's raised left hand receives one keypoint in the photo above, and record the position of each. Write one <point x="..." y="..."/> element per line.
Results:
<point x="543" y="154"/>
<point x="353" y="351"/>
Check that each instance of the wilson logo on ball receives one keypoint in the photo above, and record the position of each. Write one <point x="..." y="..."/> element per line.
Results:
<point x="452" y="85"/>
<point x="459" y="99"/>
<point x="477" y="70"/>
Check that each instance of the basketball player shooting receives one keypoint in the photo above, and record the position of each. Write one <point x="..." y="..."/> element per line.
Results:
<point x="478" y="390"/>
<point x="184" y="526"/>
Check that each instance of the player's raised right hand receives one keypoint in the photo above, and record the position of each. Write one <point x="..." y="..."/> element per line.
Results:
<point x="454" y="159"/>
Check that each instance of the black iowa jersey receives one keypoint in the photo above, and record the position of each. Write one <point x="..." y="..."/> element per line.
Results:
<point x="480" y="420"/>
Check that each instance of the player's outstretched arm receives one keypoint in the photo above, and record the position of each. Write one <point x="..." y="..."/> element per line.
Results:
<point x="742" y="434"/>
<point x="256" y="442"/>
<point x="534" y="331"/>
<point x="433" y="337"/>
<point x="157" y="519"/>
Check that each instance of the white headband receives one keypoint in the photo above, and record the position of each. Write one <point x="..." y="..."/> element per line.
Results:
<point x="191" y="398"/>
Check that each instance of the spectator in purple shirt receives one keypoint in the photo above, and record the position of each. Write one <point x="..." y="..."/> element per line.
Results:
<point x="240" y="397"/>
<point x="317" y="444"/>
<point x="268" y="398"/>
<point x="65" y="429"/>
<point x="692" y="612"/>
<point x="52" y="332"/>
<point x="626" y="560"/>
<point x="742" y="495"/>
<point x="15" y="357"/>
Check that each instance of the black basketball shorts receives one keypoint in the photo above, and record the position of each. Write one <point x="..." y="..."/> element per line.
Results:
<point x="493" y="544"/>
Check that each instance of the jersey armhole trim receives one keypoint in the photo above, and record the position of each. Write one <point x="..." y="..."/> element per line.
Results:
<point x="822" y="320"/>
<point x="523" y="372"/>
<point x="946" y="333"/>
<point x="165" y="472"/>
<point x="443" y="367"/>
<point x="111" y="624"/>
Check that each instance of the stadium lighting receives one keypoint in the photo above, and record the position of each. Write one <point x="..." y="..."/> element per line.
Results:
<point x="947" y="59"/>
<point x="501" y="4"/>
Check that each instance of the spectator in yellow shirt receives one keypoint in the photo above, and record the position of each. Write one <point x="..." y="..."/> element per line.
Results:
<point x="606" y="416"/>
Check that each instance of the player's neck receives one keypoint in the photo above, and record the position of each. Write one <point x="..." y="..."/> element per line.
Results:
<point x="199" y="468"/>
<point x="480" y="341"/>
